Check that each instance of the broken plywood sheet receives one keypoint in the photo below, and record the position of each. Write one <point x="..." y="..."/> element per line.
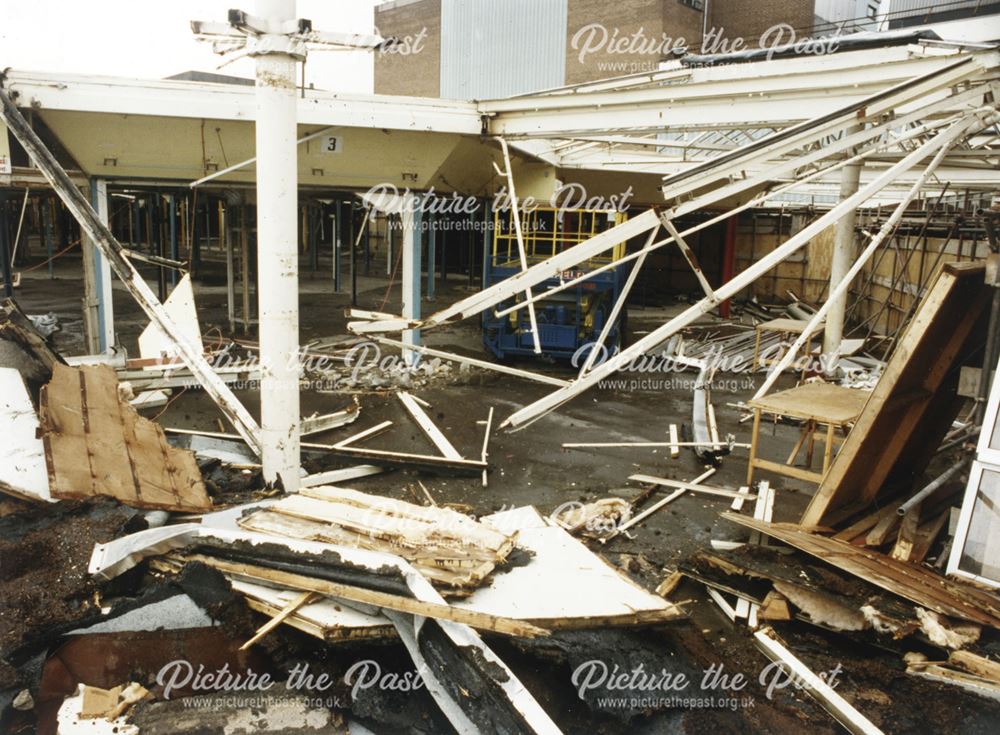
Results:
<point x="154" y="344"/>
<point x="22" y="466"/>
<point x="96" y="444"/>
<point x="450" y="549"/>
<point x="565" y="585"/>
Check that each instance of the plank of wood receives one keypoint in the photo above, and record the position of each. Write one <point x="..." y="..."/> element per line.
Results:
<point x="822" y="402"/>
<point x="763" y="510"/>
<point x="910" y="581"/>
<point x="675" y="451"/>
<point x="975" y="664"/>
<point x="428" y="427"/>
<point x="903" y="548"/>
<point x="926" y="535"/>
<point x="783" y="469"/>
<point x="342" y="475"/>
<point x="386" y="600"/>
<point x="656" y="506"/>
<point x="775" y="607"/>
<point x="97" y="444"/>
<point x="838" y="707"/>
<point x="486" y="441"/>
<point x="744" y="494"/>
<point x="970" y="682"/>
<point x="864" y="524"/>
<point x="303" y="598"/>
<point x="882" y="530"/>
<point x="692" y="486"/>
<point x="668" y="585"/>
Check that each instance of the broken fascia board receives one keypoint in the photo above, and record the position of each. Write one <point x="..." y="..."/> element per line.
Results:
<point x="105" y="241"/>
<point x="179" y="306"/>
<point x="524" y="280"/>
<point x="731" y="288"/>
<point x="429" y="427"/>
<point x="319" y="424"/>
<point x="332" y="477"/>
<point x="113" y="558"/>
<point x="837" y="706"/>
<point x="231" y="451"/>
<point x="23" y="471"/>
<point x="116" y="359"/>
<point x="150" y="399"/>
<point x="764" y="150"/>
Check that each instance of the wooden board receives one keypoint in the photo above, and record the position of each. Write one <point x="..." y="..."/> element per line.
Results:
<point x="913" y="404"/>
<point x="821" y="402"/>
<point x="910" y="581"/>
<point x="97" y="444"/>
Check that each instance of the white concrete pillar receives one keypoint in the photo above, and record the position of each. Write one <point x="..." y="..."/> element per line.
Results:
<point x="411" y="220"/>
<point x="843" y="255"/>
<point x="277" y="252"/>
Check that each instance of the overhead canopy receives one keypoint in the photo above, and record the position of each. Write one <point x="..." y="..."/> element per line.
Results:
<point x="609" y="135"/>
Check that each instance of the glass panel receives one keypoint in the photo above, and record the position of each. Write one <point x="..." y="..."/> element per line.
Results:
<point x="981" y="555"/>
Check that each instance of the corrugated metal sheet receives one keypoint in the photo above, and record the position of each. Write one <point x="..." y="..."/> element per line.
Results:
<point x="499" y="48"/>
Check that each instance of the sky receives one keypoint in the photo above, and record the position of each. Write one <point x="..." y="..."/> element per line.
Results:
<point x="141" y="38"/>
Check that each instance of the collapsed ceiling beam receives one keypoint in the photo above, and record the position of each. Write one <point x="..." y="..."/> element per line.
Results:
<point x="539" y="408"/>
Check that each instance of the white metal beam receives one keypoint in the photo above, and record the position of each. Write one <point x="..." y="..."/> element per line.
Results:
<point x="546" y="404"/>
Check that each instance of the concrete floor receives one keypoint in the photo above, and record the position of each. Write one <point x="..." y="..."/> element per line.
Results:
<point x="530" y="467"/>
<point x="527" y="467"/>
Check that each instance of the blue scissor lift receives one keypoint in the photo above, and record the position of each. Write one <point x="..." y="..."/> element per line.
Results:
<point x="571" y="318"/>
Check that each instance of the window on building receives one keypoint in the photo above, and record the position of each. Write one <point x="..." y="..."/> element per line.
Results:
<point x="696" y="4"/>
<point x="873" y="11"/>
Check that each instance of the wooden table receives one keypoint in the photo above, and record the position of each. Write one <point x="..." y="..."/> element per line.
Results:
<point x="781" y="326"/>
<point x="817" y="404"/>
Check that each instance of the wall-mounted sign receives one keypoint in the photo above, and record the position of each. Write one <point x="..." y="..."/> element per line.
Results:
<point x="331" y="144"/>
